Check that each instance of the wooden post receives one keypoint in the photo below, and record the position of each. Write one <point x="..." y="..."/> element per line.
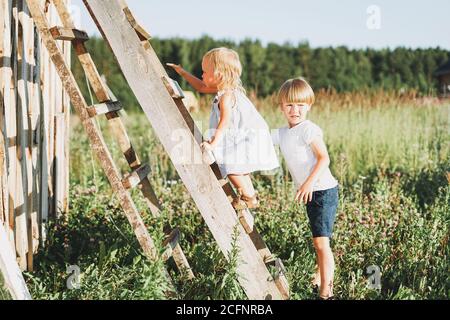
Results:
<point x="20" y="173"/>
<point x="11" y="273"/>
<point x="44" y="141"/>
<point x="4" y="214"/>
<point x="145" y="80"/>
<point x="8" y="123"/>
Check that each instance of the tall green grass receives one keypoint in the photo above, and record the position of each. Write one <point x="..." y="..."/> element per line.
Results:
<point x="389" y="153"/>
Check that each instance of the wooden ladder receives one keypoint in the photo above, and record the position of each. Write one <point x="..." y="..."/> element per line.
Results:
<point x="161" y="100"/>
<point x="138" y="177"/>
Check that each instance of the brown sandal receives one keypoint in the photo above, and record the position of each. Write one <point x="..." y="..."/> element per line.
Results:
<point x="242" y="202"/>
<point x="251" y="202"/>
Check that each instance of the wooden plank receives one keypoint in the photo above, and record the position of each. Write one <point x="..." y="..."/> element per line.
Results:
<point x="34" y="115"/>
<point x="11" y="273"/>
<point x="61" y="109"/>
<point x="280" y="276"/>
<point x="20" y="209"/>
<point x="247" y="220"/>
<point x="96" y="139"/>
<point x="173" y="249"/>
<point x="4" y="213"/>
<point x="67" y="49"/>
<point x="44" y="155"/>
<point x="162" y="112"/>
<point x="8" y="92"/>
<point x="182" y="262"/>
<point x="53" y="89"/>
<point x="58" y="130"/>
<point x="4" y="210"/>
<point x="173" y="87"/>
<point x="68" y="34"/>
<point x="104" y="108"/>
<point x="141" y="32"/>
<point x="59" y="160"/>
<point x="170" y="243"/>
<point x="136" y="176"/>
<point x="25" y="82"/>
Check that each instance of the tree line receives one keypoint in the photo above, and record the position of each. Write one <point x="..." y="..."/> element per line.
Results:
<point x="266" y="67"/>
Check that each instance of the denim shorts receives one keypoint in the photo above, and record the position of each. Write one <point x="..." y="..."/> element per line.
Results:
<point x="322" y="212"/>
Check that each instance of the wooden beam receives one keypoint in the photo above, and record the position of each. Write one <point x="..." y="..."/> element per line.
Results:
<point x="247" y="220"/>
<point x="141" y="32"/>
<point x="173" y="87"/>
<point x="104" y="108"/>
<point x="280" y="276"/>
<point x="144" y="77"/>
<point x="68" y="34"/>
<point x="136" y="176"/>
<point x="7" y="86"/>
<point x="170" y="243"/>
<point x="12" y="275"/>
<point x="21" y="208"/>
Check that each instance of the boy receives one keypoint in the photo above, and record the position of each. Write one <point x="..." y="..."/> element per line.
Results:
<point x="304" y="150"/>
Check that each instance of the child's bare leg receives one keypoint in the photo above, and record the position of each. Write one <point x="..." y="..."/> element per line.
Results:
<point x="326" y="265"/>
<point x="316" y="279"/>
<point x="243" y="182"/>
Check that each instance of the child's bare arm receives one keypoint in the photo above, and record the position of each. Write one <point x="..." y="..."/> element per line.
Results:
<point x="319" y="148"/>
<point x="225" y="106"/>
<point x="195" y="82"/>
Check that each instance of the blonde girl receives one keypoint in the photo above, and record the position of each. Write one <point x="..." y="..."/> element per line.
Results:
<point x="239" y="137"/>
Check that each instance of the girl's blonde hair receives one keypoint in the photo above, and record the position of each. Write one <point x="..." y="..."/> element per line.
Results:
<point x="227" y="68"/>
<point x="296" y="90"/>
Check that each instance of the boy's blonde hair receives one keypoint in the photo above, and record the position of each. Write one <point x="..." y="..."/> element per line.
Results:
<point x="296" y="90"/>
<point x="227" y="68"/>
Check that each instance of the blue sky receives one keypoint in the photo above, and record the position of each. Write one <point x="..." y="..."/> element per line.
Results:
<point x="413" y="23"/>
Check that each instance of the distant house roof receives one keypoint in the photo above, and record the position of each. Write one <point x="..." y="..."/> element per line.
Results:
<point x="444" y="69"/>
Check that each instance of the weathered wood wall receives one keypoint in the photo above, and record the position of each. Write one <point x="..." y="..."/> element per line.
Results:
<point x="34" y="122"/>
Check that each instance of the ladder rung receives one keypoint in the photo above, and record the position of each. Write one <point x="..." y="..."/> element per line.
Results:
<point x="173" y="87"/>
<point x="136" y="176"/>
<point x="280" y="276"/>
<point x="208" y="157"/>
<point x="170" y="243"/>
<point x="142" y="34"/>
<point x="68" y="34"/>
<point x="104" y="108"/>
<point x="247" y="220"/>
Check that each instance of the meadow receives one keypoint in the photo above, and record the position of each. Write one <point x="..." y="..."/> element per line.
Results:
<point x="390" y="153"/>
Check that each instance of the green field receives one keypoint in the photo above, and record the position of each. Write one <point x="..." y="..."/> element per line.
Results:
<point x="390" y="154"/>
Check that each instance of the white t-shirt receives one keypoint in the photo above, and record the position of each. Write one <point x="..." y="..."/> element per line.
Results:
<point x="295" y="145"/>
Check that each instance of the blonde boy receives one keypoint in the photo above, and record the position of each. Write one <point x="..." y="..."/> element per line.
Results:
<point x="301" y="143"/>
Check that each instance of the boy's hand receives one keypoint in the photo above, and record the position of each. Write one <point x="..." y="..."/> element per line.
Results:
<point x="304" y="193"/>
<point x="179" y="69"/>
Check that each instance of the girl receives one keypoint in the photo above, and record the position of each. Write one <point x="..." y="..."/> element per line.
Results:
<point x="301" y="143"/>
<point x="239" y="137"/>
